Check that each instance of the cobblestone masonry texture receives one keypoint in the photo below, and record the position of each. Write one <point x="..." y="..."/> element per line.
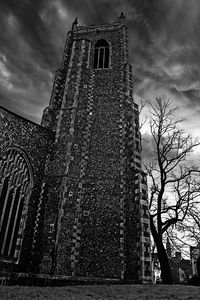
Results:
<point x="99" y="222"/>
<point x="33" y="140"/>
<point x="88" y="212"/>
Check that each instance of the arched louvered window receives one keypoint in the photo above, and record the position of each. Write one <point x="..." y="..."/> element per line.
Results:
<point x="15" y="187"/>
<point x="101" y="55"/>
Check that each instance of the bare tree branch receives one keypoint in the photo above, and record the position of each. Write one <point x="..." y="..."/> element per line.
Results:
<point x="174" y="188"/>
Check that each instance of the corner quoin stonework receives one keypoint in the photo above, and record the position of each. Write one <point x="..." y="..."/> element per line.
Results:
<point x="96" y="221"/>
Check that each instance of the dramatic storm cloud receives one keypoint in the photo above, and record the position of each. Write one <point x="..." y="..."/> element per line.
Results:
<point x="164" y="47"/>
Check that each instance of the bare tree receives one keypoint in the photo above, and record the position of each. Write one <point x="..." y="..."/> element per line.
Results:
<point x="173" y="184"/>
<point x="193" y="232"/>
<point x="190" y="229"/>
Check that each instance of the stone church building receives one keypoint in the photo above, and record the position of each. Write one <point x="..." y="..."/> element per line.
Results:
<point x="73" y="196"/>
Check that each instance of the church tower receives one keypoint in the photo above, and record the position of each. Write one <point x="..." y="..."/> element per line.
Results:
<point x="94" y="196"/>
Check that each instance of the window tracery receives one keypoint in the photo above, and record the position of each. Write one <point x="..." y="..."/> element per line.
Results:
<point x="101" y="55"/>
<point x="15" y="187"/>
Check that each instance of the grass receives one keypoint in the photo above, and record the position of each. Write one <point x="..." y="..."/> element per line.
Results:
<point x="122" y="292"/>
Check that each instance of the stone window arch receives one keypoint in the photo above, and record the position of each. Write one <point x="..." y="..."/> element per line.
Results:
<point x="101" y="55"/>
<point x="16" y="182"/>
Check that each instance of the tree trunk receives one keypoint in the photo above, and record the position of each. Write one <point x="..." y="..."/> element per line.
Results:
<point x="162" y="254"/>
<point x="164" y="262"/>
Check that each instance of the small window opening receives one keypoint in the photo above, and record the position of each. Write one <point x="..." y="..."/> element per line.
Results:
<point x="51" y="228"/>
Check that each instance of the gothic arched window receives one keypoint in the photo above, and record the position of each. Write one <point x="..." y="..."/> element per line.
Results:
<point x="15" y="187"/>
<point x="101" y="55"/>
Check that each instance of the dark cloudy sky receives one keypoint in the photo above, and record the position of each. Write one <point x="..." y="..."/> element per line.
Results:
<point x="164" y="49"/>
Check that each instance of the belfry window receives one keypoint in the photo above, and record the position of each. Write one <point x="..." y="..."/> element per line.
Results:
<point x="15" y="188"/>
<point x="101" y="55"/>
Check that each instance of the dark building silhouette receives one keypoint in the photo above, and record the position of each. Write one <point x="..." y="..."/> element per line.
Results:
<point x="181" y="269"/>
<point x="73" y="196"/>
